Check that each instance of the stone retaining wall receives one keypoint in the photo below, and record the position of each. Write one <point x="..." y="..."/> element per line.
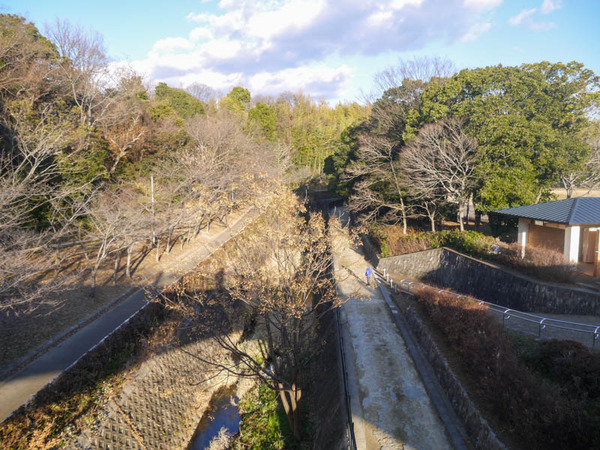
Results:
<point x="450" y="269"/>
<point x="477" y="428"/>
<point x="161" y="403"/>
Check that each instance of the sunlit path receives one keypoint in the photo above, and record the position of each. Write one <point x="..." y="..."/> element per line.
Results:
<point x="391" y="407"/>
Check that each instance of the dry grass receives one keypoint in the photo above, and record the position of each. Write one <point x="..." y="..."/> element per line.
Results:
<point x="541" y="263"/>
<point x="561" y="194"/>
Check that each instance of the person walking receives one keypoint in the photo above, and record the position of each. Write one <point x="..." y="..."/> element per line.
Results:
<point x="368" y="274"/>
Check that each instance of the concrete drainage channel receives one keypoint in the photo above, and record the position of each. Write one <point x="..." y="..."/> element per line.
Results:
<point x="429" y="362"/>
<point x="454" y="427"/>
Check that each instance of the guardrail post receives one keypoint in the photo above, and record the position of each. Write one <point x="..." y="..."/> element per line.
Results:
<point x="505" y="316"/>
<point x="541" y="327"/>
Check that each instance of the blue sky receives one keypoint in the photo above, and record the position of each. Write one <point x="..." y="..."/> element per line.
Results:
<point x="326" y="48"/>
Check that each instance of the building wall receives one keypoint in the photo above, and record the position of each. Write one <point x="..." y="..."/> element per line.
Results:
<point x="546" y="237"/>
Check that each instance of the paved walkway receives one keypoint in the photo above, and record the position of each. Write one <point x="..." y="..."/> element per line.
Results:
<point x="390" y="406"/>
<point x="19" y="388"/>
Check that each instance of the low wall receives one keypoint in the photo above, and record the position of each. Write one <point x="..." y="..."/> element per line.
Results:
<point x="450" y="269"/>
<point x="477" y="427"/>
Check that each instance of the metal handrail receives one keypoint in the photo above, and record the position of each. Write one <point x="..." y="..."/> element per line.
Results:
<point x="507" y="313"/>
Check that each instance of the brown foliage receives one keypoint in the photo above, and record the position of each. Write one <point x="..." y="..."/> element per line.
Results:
<point x="550" y="402"/>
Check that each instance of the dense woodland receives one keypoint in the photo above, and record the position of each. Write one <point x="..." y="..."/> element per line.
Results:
<point x="499" y="136"/>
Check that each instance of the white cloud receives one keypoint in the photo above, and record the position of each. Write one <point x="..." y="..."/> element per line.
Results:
<point x="550" y="5"/>
<point x="200" y="33"/>
<point x="399" y="4"/>
<point x="525" y="18"/>
<point x="482" y="5"/>
<point x="476" y="30"/>
<point x="289" y="44"/>
<point x="320" y="81"/>
<point x="169" y="45"/>
<point x="522" y="16"/>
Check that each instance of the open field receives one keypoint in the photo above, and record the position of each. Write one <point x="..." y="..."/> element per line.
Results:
<point x="561" y="194"/>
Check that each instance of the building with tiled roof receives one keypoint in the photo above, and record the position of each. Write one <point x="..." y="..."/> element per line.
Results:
<point x="570" y="226"/>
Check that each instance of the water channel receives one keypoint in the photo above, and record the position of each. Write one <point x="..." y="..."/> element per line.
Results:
<point x="222" y="413"/>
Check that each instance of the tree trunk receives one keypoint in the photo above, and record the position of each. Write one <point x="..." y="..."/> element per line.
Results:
<point x="169" y="237"/>
<point x="94" y="273"/>
<point x="291" y="408"/>
<point x="432" y="219"/>
<point x="539" y="196"/>
<point x="460" y="217"/>
<point x="128" y="268"/>
<point x="295" y="395"/>
<point x="404" y="224"/>
<point x="286" y="406"/>
<point x="117" y="259"/>
<point x="468" y="208"/>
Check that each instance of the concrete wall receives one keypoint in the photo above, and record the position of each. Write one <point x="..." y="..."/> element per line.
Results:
<point x="447" y="268"/>
<point x="477" y="427"/>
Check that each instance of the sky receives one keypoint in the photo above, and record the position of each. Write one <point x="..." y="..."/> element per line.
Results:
<point x="328" y="49"/>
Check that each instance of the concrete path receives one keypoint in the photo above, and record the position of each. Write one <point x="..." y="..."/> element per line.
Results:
<point x="390" y="405"/>
<point x="19" y="388"/>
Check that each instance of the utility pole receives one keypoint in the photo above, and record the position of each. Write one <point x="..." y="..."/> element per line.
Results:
<point x="154" y="239"/>
<point x="152" y="196"/>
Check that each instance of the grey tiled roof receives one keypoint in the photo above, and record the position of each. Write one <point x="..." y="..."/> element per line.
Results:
<point x="572" y="211"/>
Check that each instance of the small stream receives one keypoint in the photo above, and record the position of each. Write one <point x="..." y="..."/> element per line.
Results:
<point x="221" y="412"/>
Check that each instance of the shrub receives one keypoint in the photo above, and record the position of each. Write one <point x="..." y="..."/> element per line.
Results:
<point x="392" y="241"/>
<point x="540" y="263"/>
<point x="546" y="394"/>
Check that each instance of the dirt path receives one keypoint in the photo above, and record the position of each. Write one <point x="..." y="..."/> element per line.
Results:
<point x="18" y="388"/>
<point x="22" y="336"/>
<point x="391" y="408"/>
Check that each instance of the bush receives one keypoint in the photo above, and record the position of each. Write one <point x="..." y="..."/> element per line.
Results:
<point x="540" y="263"/>
<point x="545" y="394"/>
<point x="393" y="242"/>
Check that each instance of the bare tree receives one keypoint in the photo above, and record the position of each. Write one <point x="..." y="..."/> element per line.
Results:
<point x="204" y="92"/>
<point x="279" y="272"/>
<point x="439" y="164"/>
<point x="124" y="123"/>
<point x="379" y="188"/>
<point x="112" y="217"/>
<point x="418" y="68"/>
<point x="83" y="69"/>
